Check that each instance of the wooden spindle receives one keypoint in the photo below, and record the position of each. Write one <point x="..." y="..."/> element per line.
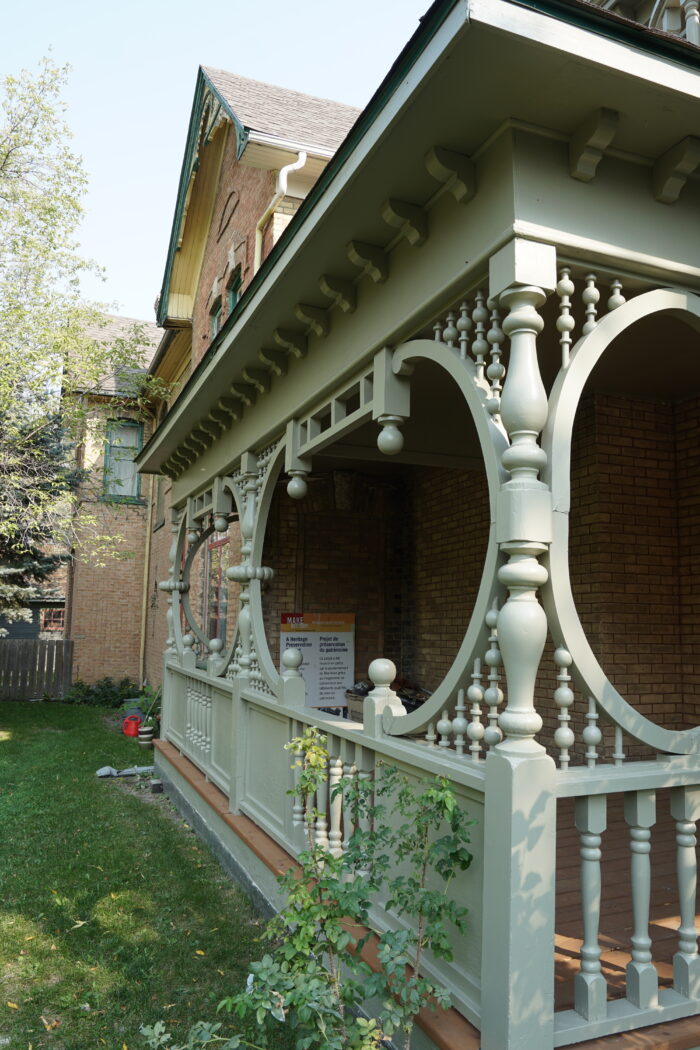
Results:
<point x="591" y="298"/>
<point x="590" y="987"/>
<point x="480" y="347"/>
<point x="335" y="774"/>
<point x="475" y="694"/>
<point x="460" y="725"/>
<point x="563" y="698"/>
<point x="444" y="728"/>
<point x="464" y="327"/>
<point x="642" y="978"/>
<point x="349" y="775"/>
<point x="430" y="737"/>
<point x="321" y="835"/>
<point x="619" y="752"/>
<point x="565" y="322"/>
<point x="616" y="299"/>
<point x="298" y="815"/>
<point x="437" y="330"/>
<point x="451" y="333"/>
<point x="495" y="371"/>
<point x="685" y="809"/>
<point x="493" y="696"/>
<point x="362" y="760"/>
<point x="592" y="735"/>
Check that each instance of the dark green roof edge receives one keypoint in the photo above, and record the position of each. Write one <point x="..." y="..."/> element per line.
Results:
<point x="203" y="85"/>
<point x="575" y="12"/>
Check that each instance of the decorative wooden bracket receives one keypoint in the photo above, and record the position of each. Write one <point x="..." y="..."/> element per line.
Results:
<point x="295" y="342"/>
<point x="371" y="259"/>
<point x="276" y="360"/>
<point x="316" y="320"/>
<point x="672" y="169"/>
<point x="588" y="142"/>
<point x="342" y="292"/>
<point x="229" y="407"/>
<point x="409" y="219"/>
<point x="456" y="170"/>
<point x="259" y="379"/>
<point x="245" y="392"/>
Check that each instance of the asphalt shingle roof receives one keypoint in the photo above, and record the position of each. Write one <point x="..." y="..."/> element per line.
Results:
<point x="291" y="115"/>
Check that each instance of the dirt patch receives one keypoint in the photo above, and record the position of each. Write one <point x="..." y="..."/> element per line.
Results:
<point x="140" y="787"/>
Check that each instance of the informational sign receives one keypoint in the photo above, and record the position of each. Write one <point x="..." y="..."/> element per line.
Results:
<point x="326" y="642"/>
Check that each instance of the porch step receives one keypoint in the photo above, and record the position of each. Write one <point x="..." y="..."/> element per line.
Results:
<point x="447" y="1029"/>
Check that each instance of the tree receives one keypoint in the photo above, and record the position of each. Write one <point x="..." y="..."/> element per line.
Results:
<point x="53" y="364"/>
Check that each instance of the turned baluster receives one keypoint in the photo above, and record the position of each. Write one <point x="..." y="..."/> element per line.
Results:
<point x="298" y="815"/>
<point x="349" y="777"/>
<point x="475" y="694"/>
<point x="363" y="758"/>
<point x="430" y="737"/>
<point x="591" y="297"/>
<point x="437" y="329"/>
<point x="444" y="728"/>
<point x="619" y="752"/>
<point x="616" y="299"/>
<point x="480" y="346"/>
<point x="321" y="836"/>
<point x="565" y="322"/>
<point x="335" y="773"/>
<point x="590" y="988"/>
<point x="464" y="327"/>
<point x="592" y="734"/>
<point x="495" y="371"/>
<point x="691" y="9"/>
<point x="451" y="332"/>
<point x="493" y="695"/>
<point x="460" y="725"/>
<point x="642" y="978"/>
<point x="685" y="809"/>
<point x="563" y="698"/>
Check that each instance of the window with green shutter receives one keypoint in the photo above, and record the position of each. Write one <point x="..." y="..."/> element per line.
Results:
<point x="124" y="441"/>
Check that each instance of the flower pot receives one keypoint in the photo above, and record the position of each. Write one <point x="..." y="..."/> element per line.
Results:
<point x="145" y="737"/>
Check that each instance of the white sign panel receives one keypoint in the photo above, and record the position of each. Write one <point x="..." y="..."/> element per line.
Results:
<point x="326" y="642"/>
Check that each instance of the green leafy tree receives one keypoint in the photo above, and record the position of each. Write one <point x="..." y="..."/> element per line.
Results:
<point x="53" y="363"/>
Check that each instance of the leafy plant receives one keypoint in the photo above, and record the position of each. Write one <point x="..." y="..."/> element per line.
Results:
<point x="408" y="841"/>
<point x="103" y="693"/>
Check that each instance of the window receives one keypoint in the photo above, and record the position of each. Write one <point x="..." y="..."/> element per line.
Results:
<point x="124" y="441"/>
<point x="233" y="289"/>
<point x="215" y="318"/>
<point x="53" y="619"/>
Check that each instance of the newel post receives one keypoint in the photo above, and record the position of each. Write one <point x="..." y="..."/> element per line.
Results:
<point x="520" y="804"/>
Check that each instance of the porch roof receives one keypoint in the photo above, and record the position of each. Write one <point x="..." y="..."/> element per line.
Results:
<point x="454" y="84"/>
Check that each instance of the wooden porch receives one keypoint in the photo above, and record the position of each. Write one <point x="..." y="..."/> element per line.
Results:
<point x="616" y="919"/>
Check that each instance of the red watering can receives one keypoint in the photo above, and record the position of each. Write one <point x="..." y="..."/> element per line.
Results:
<point x="130" y="725"/>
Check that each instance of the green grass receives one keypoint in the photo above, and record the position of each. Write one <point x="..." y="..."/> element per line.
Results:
<point x="112" y="913"/>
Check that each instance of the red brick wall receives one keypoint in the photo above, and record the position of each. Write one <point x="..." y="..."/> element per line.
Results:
<point x="229" y="233"/>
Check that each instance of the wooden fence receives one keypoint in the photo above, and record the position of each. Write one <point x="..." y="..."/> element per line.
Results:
<point x="31" y="669"/>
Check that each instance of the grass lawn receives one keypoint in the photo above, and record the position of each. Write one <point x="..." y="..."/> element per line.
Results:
<point x="112" y="913"/>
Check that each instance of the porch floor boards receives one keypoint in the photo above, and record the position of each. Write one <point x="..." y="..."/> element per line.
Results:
<point x="616" y="908"/>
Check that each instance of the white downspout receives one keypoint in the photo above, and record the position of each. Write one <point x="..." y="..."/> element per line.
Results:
<point x="280" y="192"/>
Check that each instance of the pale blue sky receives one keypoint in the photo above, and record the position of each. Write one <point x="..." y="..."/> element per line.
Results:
<point x="131" y="89"/>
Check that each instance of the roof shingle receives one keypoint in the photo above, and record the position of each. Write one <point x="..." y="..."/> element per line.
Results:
<point x="302" y="119"/>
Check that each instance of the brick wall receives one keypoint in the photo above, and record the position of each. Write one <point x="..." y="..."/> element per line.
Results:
<point x="242" y="196"/>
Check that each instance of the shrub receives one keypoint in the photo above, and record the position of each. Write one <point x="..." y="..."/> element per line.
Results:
<point x="410" y="842"/>
<point x="104" y="693"/>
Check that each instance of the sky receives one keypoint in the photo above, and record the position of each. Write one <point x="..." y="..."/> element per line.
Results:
<point x="131" y="87"/>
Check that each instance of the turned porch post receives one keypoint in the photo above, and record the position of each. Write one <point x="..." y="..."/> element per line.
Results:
<point x="520" y="814"/>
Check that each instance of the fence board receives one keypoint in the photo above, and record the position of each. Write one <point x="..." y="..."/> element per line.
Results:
<point x="31" y="668"/>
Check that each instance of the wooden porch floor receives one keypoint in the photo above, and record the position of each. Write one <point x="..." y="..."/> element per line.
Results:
<point x="616" y="911"/>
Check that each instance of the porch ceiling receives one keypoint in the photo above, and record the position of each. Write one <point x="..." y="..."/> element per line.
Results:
<point x="489" y="61"/>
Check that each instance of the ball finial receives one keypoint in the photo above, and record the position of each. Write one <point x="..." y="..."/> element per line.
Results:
<point x="215" y="645"/>
<point x="292" y="660"/>
<point x="390" y="438"/>
<point x="382" y="672"/>
<point x="296" y="486"/>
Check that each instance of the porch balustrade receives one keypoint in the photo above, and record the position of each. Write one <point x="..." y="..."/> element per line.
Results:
<point x="560" y="742"/>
